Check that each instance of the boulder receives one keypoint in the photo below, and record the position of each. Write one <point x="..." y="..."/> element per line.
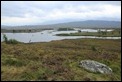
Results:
<point x="95" y="66"/>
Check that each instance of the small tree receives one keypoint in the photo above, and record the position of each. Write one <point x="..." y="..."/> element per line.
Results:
<point x="5" y="38"/>
<point x="13" y="31"/>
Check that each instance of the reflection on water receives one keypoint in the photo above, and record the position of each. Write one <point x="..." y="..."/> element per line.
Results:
<point x="48" y="35"/>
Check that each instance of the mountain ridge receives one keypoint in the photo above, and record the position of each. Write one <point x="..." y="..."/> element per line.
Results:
<point x="75" y="24"/>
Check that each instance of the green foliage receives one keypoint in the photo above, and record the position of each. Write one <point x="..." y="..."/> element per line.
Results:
<point x="10" y="41"/>
<point x="93" y="48"/>
<point x="103" y="32"/>
<point x="26" y="76"/>
<point x="114" y="33"/>
<point x="5" y="38"/>
<point x="13" y="62"/>
<point x="13" y="41"/>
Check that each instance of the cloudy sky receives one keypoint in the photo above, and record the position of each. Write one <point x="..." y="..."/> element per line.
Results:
<point x="50" y="12"/>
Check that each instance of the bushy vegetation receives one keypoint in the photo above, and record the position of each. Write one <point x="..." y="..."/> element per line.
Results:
<point x="10" y="41"/>
<point x="5" y="38"/>
<point x="59" y="60"/>
<point x="114" y="33"/>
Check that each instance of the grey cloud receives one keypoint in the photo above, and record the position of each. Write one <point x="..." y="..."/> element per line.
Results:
<point x="43" y="9"/>
<point x="12" y="9"/>
<point x="19" y="9"/>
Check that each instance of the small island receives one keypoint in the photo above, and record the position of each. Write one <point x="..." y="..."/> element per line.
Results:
<point x="113" y="33"/>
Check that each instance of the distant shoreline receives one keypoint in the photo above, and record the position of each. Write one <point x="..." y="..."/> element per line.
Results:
<point x="40" y="29"/>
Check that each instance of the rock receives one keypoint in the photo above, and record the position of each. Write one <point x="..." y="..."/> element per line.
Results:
<point x="95" y="66"/>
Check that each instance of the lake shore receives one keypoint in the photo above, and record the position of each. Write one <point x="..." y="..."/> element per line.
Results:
<point x="50" y="35"/>
<point x="113" y="33"/>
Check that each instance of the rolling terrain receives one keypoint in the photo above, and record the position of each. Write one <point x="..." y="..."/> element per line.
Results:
<point x="59" y="60"/>
<point x="76" y="24"/>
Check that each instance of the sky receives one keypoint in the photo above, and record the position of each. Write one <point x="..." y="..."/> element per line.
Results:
<point x="51" y="12"/>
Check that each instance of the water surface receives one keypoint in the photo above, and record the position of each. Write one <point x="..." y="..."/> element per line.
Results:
<point x="48" y="35"/>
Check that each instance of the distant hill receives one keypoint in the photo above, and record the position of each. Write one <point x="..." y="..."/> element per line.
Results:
<point x="76" y="24"/>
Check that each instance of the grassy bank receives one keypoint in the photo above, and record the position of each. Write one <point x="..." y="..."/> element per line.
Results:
<point x="65" y="29"/>
<point x="115" y="33"/>
<point x="59" y="60"/>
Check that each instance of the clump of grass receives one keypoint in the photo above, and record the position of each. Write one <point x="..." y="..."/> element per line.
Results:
<point x="93" y="48"/>
<point x="40" y="74"/>
<point x="26" y="76"/>
<point x="14" y="62"/>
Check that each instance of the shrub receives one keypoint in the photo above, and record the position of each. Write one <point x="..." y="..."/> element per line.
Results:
<point x="93" y="48"/>
<point x="12" y="41"/>
<point x="5" y="38"/>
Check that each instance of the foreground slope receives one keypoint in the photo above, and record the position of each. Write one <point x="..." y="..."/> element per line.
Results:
<point x="59" y="60"/>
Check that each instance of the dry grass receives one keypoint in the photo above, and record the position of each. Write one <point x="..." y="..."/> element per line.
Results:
<point x="58" y="60"/>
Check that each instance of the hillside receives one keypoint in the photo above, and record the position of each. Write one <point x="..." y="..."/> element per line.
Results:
<point x="78" y="24"/>
<point x="59" y="60"/>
